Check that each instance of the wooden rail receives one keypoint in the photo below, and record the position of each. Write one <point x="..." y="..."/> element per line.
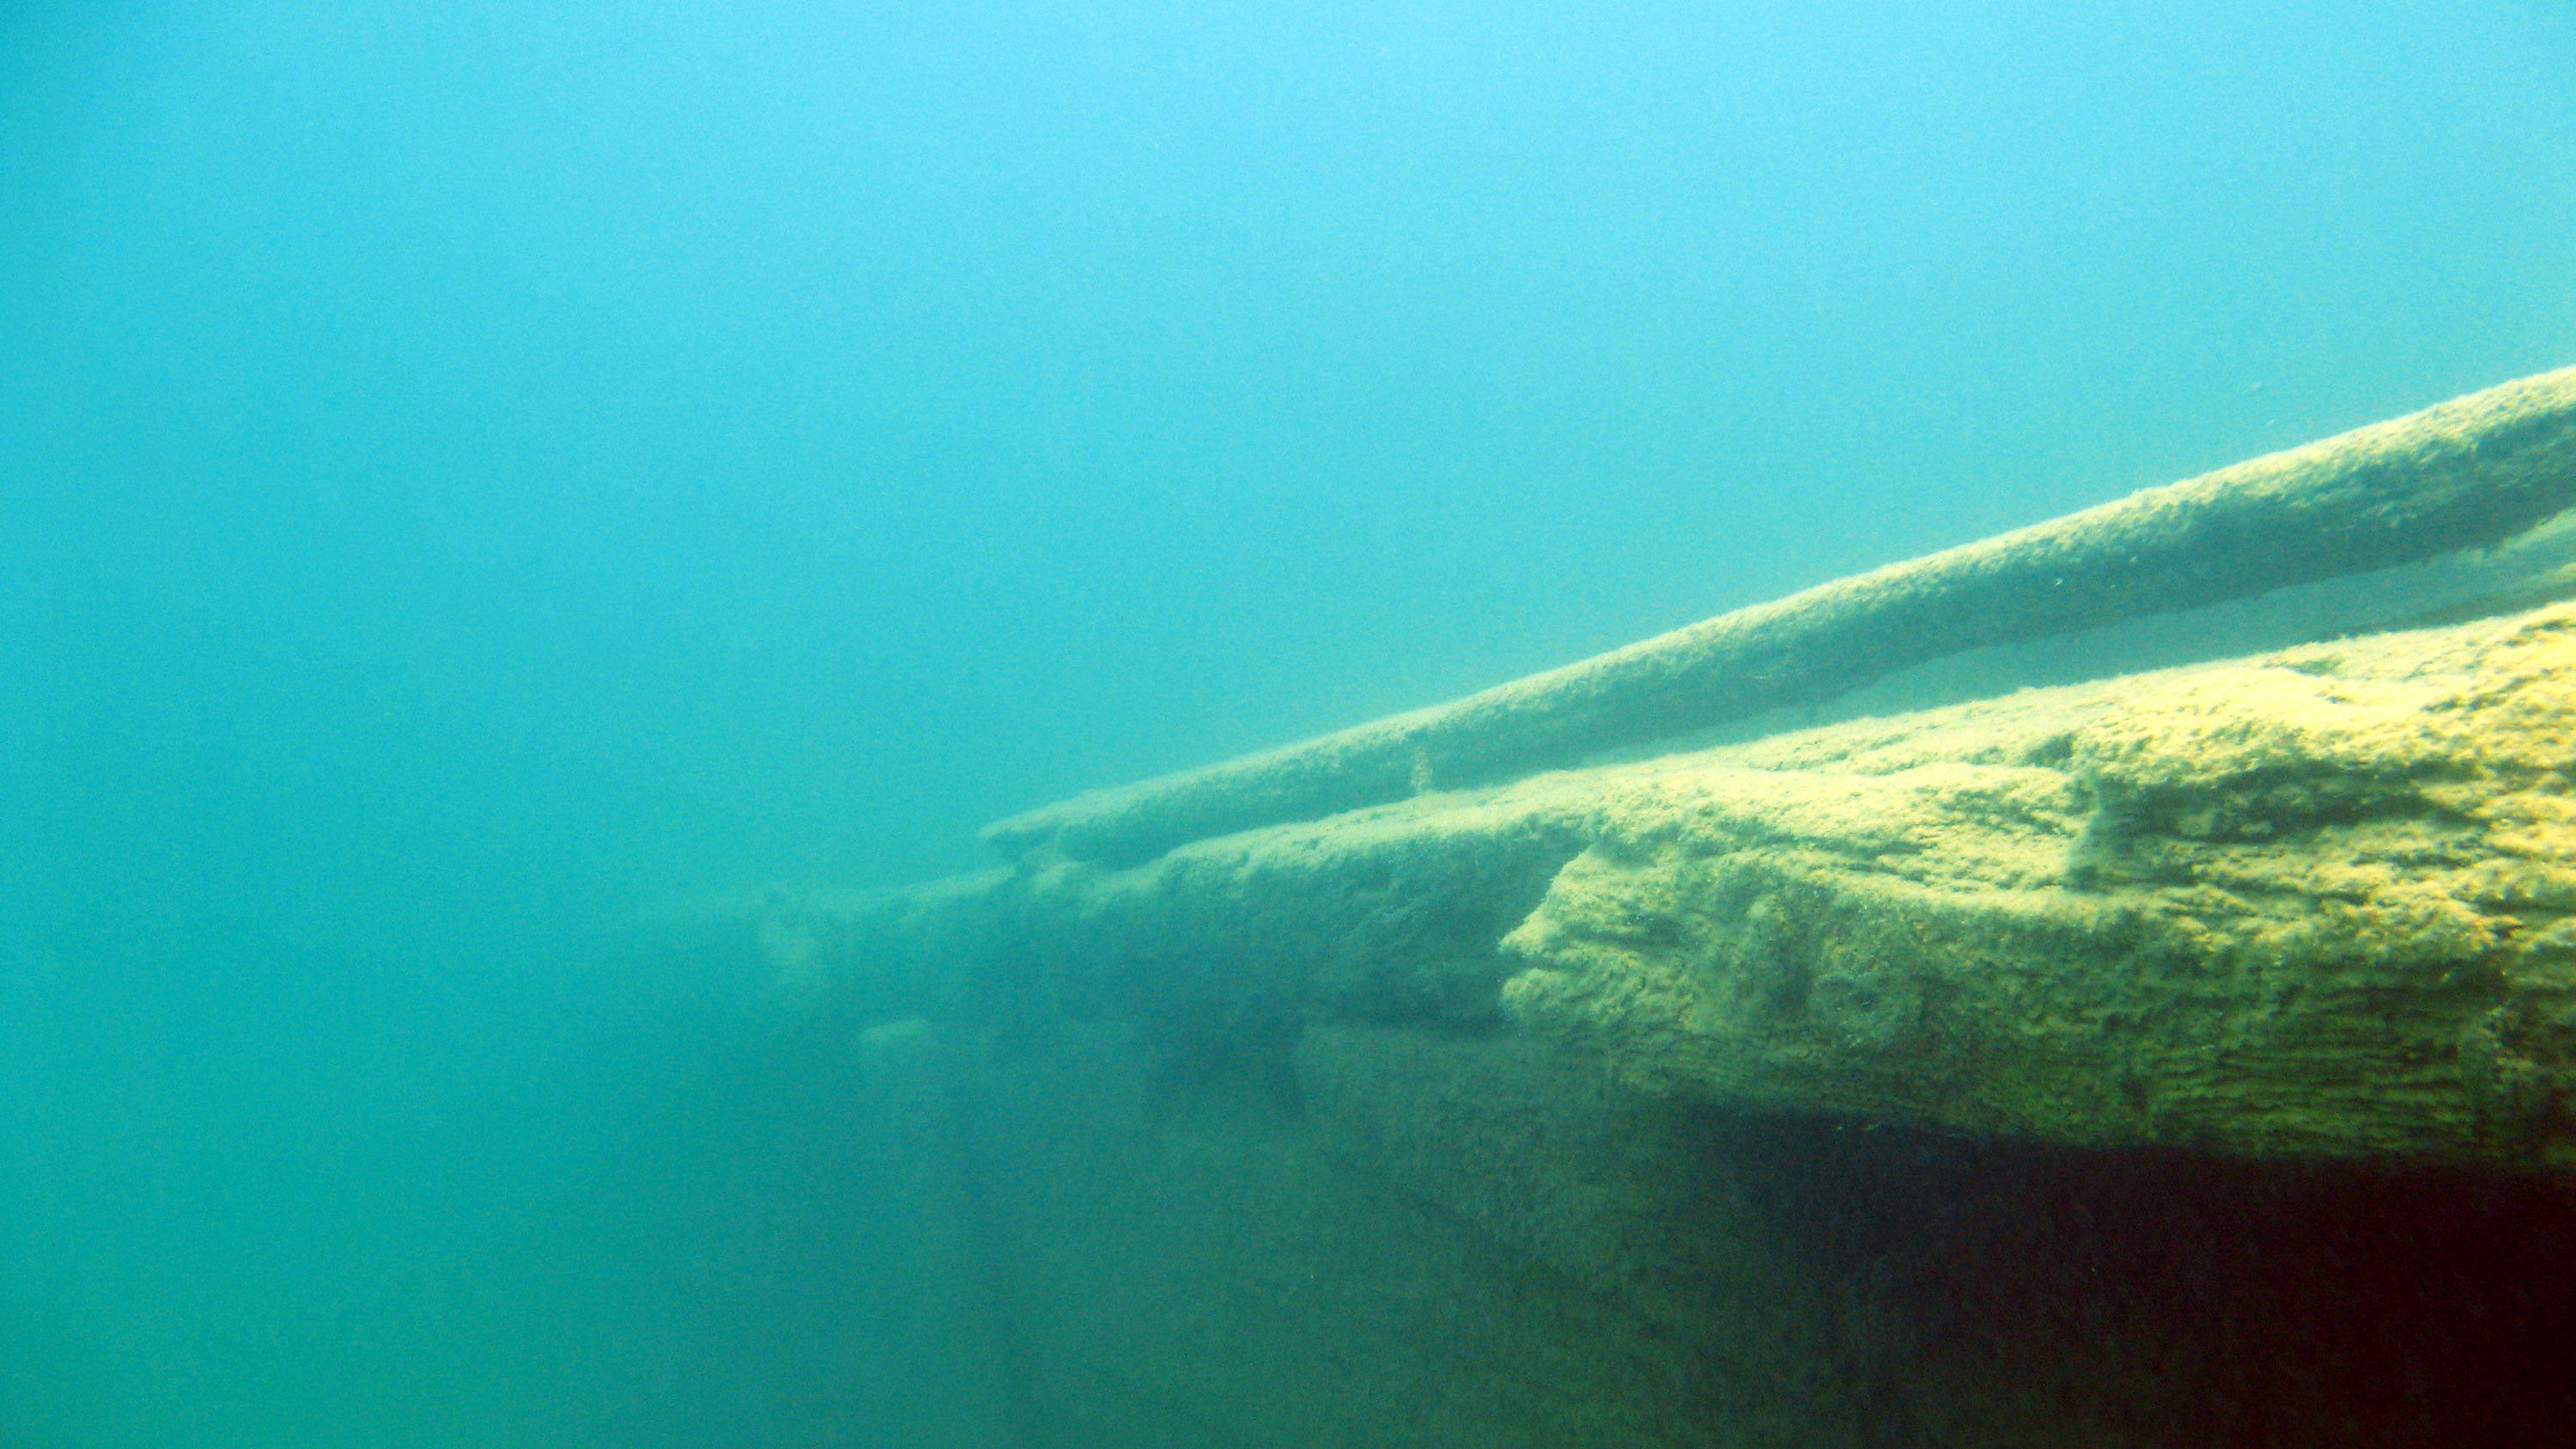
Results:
<point x="2470" y="472"/>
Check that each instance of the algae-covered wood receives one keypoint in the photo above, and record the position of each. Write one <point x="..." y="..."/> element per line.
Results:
<point x="2312" y="904"/>
<point x="2315" y="903"/>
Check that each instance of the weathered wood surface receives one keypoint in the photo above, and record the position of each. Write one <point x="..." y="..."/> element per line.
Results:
<point x="2320" y="903"/>
<point x="2466" y="473"/>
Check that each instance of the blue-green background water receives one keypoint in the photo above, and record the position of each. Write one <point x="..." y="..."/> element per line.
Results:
<point x="473" y="472"/>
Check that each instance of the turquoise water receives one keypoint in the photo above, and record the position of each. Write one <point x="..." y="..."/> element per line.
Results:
<point x="473" y="473"/>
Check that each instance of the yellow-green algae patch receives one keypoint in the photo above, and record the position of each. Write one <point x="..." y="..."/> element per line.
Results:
<point x="2316" y="903"/>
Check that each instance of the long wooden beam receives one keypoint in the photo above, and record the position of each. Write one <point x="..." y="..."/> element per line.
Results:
<point x="2469" y="472"/>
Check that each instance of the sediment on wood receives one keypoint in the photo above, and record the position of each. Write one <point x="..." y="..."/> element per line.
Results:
<point x="2314" y="904"/>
